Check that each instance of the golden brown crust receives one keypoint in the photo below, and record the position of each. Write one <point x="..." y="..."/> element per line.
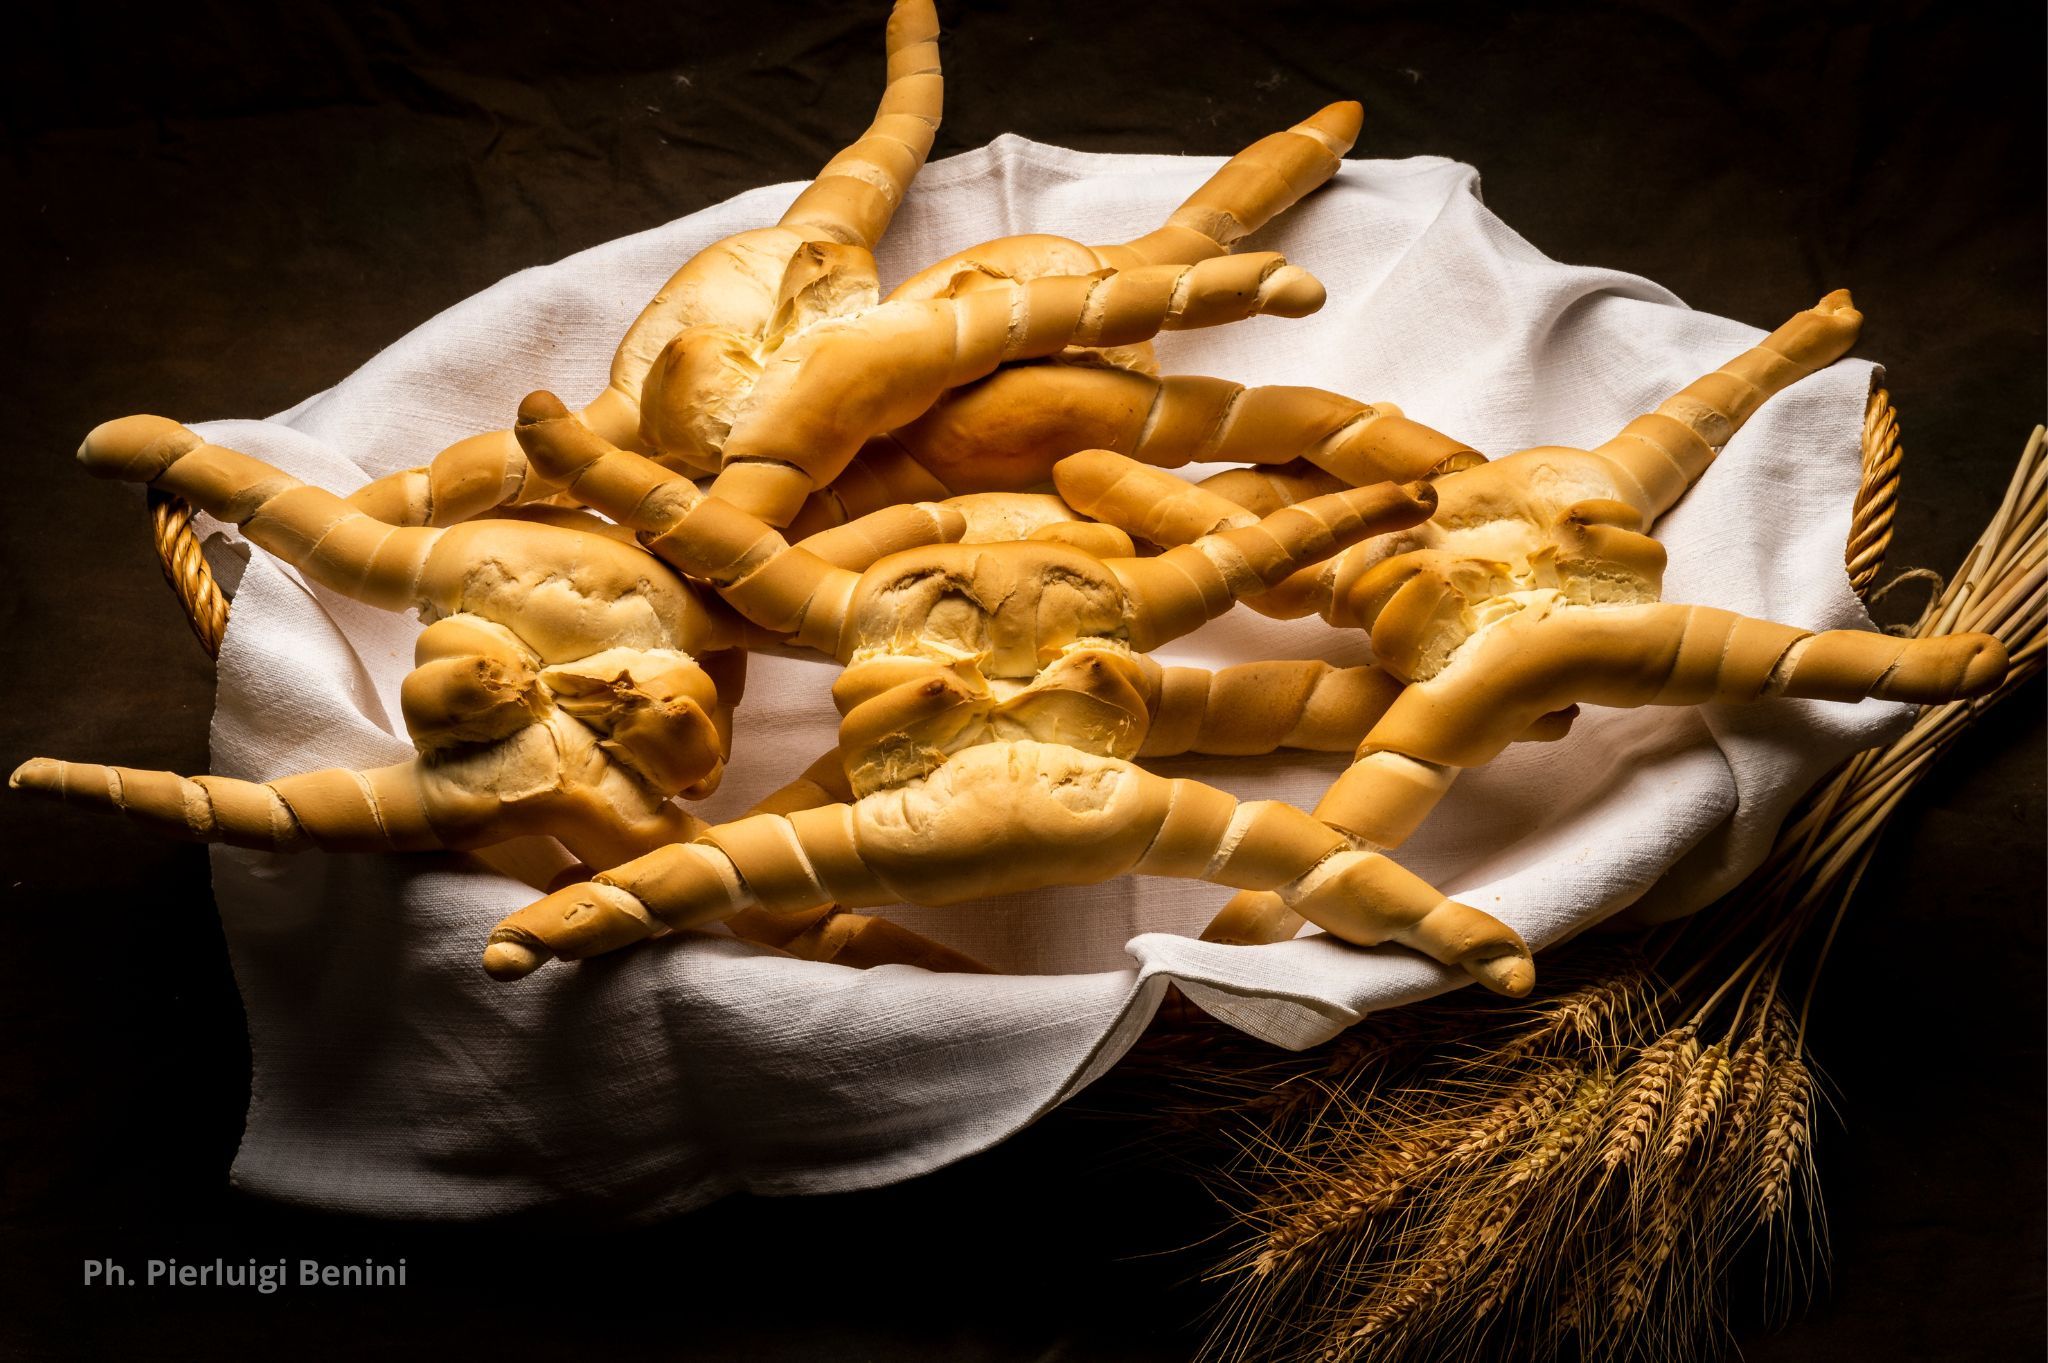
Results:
<point x="1253" y="187"/>
<point x="687" y="360"/>
<point x="1535" y="588"/>
<point x="557" y="688"/>
<point x="1255" y="708"/>
<point x="829" y="389"/>
<point x="980" y="825"/>
<point x="994" y="692"/>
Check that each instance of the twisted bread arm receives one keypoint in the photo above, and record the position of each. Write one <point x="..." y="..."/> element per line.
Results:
<point x="308" y="527"/>
<point x="567" y="593"/>
<point x="1256" y="708"/>
<point x="885" y="473"/>
<point x="555" y="693"/>
<point x="1166" y="510"/>
<point x="336" y="810"/>
<point x="1648" y="466"/>
<point x="828" y="932"/>
<point x="1661" y="454"/>
<point x="857" y="193"/>
<point x="1150" y="504"/>
<point x="1262" y="491"/>
<point x="1176" y="592"/>
<point x="1008" y="430"/>
<point x="1007" y="817"/>
<point x="1664" y="654"/>
<point x="1253" y="187"/>
<point x="480" y="472"/>
<point x="732" y="288"/>
<point x="793" y="591"/>
<point x="778" y="586"/>
<point x="860" y="941"/>
<point x="861" y="543"/>
<point x="1620" y="656"/>
<point x="587" y="751"/>
<point x="829" y="390"/>
<point x="881" y="474"/>
<point x="1003" y="432"/>
<point x="407" y="807"/>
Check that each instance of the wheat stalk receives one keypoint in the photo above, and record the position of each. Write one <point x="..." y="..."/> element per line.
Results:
<point x="1650" y="1081"/>
<point x="1700" y="1100"/>
<point x="1785" y="1135"/>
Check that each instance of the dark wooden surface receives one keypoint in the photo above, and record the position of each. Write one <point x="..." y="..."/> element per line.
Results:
<point x="215" y="211"/>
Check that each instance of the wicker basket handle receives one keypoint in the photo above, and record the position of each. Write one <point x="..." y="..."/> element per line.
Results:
<point x="1877" y="496"/>
<point x="1870" y="529"/>
<point x="186" y="569"/>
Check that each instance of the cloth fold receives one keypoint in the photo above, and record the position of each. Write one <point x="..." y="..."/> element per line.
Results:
<point x="390" y="1077"/>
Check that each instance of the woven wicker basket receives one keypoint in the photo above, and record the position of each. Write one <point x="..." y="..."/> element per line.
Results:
<point x="1870" y="529"/>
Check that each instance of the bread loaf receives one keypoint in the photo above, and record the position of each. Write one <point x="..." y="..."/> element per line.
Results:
<point x="993" y="698"/>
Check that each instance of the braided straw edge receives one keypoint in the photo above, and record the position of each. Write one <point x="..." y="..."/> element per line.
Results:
<point x="1870" y="529"/>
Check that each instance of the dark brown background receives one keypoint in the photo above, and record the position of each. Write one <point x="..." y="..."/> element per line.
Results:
<point x="216" y="210"/>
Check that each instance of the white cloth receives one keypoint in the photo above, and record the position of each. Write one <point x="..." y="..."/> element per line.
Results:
<point x="391" y="1077"/>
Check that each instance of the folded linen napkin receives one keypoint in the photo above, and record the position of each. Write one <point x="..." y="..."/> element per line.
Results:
<point x="391" y="1077"/>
